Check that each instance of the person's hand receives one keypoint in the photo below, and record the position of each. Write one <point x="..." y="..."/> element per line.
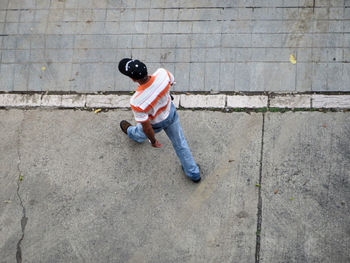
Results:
<point x="157" y="144"/>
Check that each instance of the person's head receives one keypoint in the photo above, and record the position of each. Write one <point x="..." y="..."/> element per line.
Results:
<point x="133" y="68"/>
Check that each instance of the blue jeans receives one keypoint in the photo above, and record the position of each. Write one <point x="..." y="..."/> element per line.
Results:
<point x="173" y="130"/>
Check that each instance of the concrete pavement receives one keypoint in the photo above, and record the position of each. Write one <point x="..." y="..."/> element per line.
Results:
<point x="307" y="161"/>
<point x="75" y="189"/>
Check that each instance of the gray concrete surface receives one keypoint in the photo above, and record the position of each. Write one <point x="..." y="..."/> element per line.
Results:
<point x="226" y="45"/>
<point x="307" y="161"/>
<point x="89" y="194"/>
<point x="10" y="207"/>
<point x="92" y="195"/>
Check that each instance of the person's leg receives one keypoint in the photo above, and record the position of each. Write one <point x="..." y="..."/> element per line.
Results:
<point x="175" y="134"/>
<point x="136" y="133"/>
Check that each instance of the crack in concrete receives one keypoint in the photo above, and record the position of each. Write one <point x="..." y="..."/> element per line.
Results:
<point x="24" y="218"/>
<point x="259" y="213"/>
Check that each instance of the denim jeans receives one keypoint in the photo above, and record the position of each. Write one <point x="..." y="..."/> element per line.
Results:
<point x="173" y="130"/>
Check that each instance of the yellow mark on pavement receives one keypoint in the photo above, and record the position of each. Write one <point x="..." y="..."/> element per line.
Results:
<point x="292" y="59"/>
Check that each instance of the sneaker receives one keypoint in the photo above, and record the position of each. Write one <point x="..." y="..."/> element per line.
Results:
<point x="196" y="180"/>
<point x="124" y="125"/>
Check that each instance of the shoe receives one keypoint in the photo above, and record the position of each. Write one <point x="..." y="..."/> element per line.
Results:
<point x="124" y="125"/>
<point x="197" y="180"/>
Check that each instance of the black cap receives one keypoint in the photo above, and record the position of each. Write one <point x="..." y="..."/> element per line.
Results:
<point x="132" y="68"/>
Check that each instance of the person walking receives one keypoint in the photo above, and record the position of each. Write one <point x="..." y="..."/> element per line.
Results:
<point x="154" y="111"/>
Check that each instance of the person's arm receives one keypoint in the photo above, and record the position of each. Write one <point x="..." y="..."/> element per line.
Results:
<point x="148" y="130"/>
<point x="171" y="77"/>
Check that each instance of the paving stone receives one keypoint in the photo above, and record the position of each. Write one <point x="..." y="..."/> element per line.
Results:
<point x="23" y="42"/>
<point x="243" y="81"/>
<point x="182" y="55"/>
<point x="304" y="77"/>
<point x="182" y="73"/>
<point x="176" y="100"/>
<point x="37" y="55"/>
<point x="212" y="84"/>
<point x="138" y="41"/>
<point x="197" y="71"/>
<point x="72" y="101"/>
<point x="108" y="101"/>
<point x="273" y="77"/>
<point x="202" y="101"/>
<point x="70" y="15"/>
<point x="55" y="77"/>
<point x="228" y="55"/>
<point x="236" y="40"/>
<point x="20" y="100"/>
<point x="51" y="101"/>
<point x="21" y="76"/>
<point x="8" y="56"/>
<point x="109" y="41"/>
<point x="243" y="55"/>
<point x="171" y="14"/>
<point x="94" y="77"/>
<point x="291" y="101"/>
<point x="9" y="42"/>
<point x="319" y="77"/>
<point x="123" y="84"/>
<point x="330" y="101"/>
<point x="227" y="80"/>
<point x="2" y="16"/>
<point x="21" y="56"/>
<point x="2" y="28"/>
<point x="60" y="41"/>
<point x="212" y="55"/>
<point x="41" y="15"/>
<point x="11" y="28"/>
<point x="13" y="16"/>
<point x="57" y="4"/>
<point x="238" y="101"/>
<point x="7" y="76"/>
<point x="335" y="76"/>
<point x="198" y="55"/>
<point x="184" y="27"/>
<point x="266" y="13"/>
<point x="4" y="4"/>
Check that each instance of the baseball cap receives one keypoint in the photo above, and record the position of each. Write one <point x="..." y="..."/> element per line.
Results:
<point x="132" y="68"/>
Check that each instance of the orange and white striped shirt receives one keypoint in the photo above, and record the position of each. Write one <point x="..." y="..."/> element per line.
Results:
<point x="152" y="101"/>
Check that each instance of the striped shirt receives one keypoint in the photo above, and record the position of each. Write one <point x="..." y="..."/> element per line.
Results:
<point x="151" y="100"/>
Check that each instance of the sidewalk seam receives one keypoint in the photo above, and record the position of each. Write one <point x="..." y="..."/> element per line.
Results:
<point x="259" y="212"/>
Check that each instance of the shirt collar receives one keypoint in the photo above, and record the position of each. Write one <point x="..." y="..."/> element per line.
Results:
<point x="147" y="84"/>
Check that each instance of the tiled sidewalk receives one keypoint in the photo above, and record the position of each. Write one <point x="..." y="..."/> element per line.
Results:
<point x="228" y="45"/>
